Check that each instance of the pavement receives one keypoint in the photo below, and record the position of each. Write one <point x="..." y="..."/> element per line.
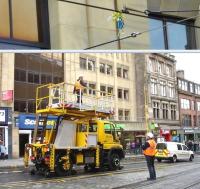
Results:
<point x="19" y="163"/>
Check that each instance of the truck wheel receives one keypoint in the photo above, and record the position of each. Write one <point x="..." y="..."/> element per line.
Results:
<point x="33" y="171"/>
<point x="191" y="158"/>
<point x="159" y="160"/>
<point x="60" y="170"/>
<point x="174" y="159"/>
<point x="47" y="174"/>
<point x="114" y="162"/>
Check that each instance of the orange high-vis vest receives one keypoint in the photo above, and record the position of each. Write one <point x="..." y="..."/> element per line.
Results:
<point x="150" y="151"/>
<point x="78" y="86"/>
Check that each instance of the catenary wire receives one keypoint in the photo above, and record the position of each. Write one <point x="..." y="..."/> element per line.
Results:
<point x="135" y="34"/>
<point x="125" y="10"/>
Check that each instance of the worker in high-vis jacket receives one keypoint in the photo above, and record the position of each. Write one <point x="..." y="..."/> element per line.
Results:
<point x="78" y="89"/>
<point x="149" y="150"/>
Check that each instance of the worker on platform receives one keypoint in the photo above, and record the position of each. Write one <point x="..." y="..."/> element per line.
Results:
<point x="149" y="150"/>
<point x="78" y="89"/>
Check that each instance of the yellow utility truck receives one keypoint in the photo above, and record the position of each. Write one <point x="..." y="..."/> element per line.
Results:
<point x="82" y="134"/>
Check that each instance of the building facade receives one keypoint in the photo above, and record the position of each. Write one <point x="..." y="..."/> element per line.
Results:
<point x="18" y="91"/>
<point x="107" y="72"/>
<point x="157" y="93"/>
<point x="189" y="105"/>
<point x="56" y="24"/>
<point x="7" y="130"/>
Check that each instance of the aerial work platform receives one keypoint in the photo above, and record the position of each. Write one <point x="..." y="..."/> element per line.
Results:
<point x="59" y="99"/>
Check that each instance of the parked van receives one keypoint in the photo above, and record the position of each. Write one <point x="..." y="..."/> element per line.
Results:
<point x="173" y="151"/>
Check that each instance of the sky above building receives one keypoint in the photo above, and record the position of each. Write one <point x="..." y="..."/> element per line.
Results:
<point x="190" y="63"/>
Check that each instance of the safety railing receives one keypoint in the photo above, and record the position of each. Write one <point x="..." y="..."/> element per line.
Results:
<point x="62" y="96"/>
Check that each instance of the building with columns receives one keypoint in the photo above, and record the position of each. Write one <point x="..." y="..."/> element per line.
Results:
<point x="54" y="24"/>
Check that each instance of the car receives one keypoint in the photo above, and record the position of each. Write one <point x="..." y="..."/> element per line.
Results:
<point x="173" y="151"/>
<point x="3" y="152"/>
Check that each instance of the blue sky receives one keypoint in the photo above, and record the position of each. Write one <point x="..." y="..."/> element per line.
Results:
<point x="190" y="63"/>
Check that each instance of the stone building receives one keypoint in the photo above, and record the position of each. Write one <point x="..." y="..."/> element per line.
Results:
<point x="54" y="24"/>
<point x="156" y="82"/>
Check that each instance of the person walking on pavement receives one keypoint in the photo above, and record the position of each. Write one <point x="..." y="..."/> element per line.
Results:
<point x="78" y="89"/>
<point x="149" y="150"/>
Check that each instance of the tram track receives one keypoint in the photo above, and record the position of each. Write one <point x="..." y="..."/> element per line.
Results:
<point x="74" y="178"/>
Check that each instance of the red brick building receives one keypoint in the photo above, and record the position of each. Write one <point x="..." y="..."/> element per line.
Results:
<point x="189" y="108"/>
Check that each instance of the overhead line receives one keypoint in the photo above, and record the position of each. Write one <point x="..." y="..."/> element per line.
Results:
<point x="104" y="8"/>
<point x="135" y="34"/>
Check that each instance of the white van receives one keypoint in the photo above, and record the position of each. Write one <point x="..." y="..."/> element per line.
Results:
<point x="173" y="151"/>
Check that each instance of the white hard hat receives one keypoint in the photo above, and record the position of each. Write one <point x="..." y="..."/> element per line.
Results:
<point x="150" y="135"/>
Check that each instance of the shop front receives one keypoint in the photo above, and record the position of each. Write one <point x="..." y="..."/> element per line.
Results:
<point x="26" y="124"/>
<point x="4" y="127"/>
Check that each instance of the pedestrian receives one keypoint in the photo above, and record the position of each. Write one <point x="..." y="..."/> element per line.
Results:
<point x="78" y="89"/>
<point x="149" y="150"/>
<point x="133" y="147"/>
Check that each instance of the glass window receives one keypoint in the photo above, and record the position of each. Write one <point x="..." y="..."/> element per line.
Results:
<point x="179" y="147"/>
<point x="102" y="68"/>
<point x="25" y="19"/>
<point x="119" y="72"/>
<point x="92" y="88"/>
<point x="110" y="90"/>
<point x="167" y="34"/>
<point x="126" y="94"/>
<point x="83" y="63"/>
<point x="156" y="36"/>
<point x="109" y="70"/>
<point x="120" y="114"/>
<point x="120" y="95"/>
<point x="127" y="115"/>
<point x="191" y="88"/>
<point x="33" y="78"/>
<point x="154" y="86"/>
<point x="20" y="75"/>
<point x="177" y="36"/>
<point x="92" y="127"/>
<point x="91" y="65"/>
<point x="156" y="110"/>
<point x="125" y="73"/>
<point x="103" y="90"/>
<point x="184" y="147"/>
<point x="20" y="106"/>
<point x="4" y="19"/>
<point x="198" y="106"/>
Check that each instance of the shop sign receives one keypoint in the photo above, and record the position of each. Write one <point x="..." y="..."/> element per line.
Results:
<point x="26" y="121"/>
<point x="189" y="131"/>
<point x="3" y="116"/>
<point x="7" y="95"/>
